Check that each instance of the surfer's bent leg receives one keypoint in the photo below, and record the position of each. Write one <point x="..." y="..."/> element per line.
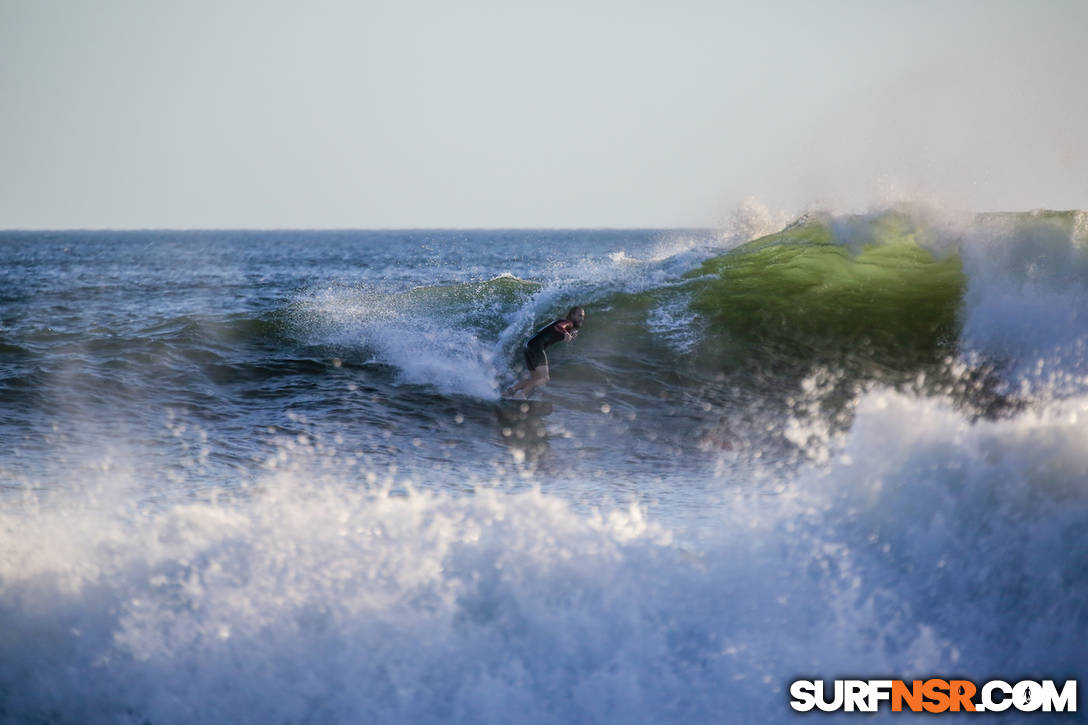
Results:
<point x="537" y="363"/>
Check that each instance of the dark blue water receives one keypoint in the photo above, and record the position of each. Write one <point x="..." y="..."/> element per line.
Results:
<point x="241" y="338"/>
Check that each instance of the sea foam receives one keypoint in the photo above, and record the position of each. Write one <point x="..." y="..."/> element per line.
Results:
<point x="924" y="544"/>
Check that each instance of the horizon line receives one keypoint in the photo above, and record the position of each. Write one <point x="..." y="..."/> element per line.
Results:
<point x="351" y="229"/>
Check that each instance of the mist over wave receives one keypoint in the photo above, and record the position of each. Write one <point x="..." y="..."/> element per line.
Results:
<point x="1025" y="301"/>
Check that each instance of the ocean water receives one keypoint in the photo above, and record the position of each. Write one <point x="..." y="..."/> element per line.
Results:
<point x="266" y="477"/>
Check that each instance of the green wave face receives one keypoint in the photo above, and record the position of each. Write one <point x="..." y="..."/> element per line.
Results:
<point x="861" y="286"/>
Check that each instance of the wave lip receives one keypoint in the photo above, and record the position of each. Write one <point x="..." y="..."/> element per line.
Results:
<point x="443" y="336"/>
<point x="865" y="284"/>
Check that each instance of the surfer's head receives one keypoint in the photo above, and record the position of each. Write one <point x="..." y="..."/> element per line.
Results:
<point x="576" y="315"/>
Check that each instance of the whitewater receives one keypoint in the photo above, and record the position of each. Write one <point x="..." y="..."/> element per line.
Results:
<point x="265" y="476"/>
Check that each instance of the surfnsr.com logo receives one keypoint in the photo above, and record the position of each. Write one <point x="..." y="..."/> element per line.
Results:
<point x="933" y="695"/>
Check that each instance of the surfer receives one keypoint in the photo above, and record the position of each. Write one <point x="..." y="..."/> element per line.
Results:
<point x="535" y="359"/>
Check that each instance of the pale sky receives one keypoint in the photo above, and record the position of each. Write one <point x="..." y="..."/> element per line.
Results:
<point x="598" y="113"/>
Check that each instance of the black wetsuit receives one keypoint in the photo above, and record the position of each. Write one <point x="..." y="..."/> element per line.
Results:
<point x="553" y="333"/>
